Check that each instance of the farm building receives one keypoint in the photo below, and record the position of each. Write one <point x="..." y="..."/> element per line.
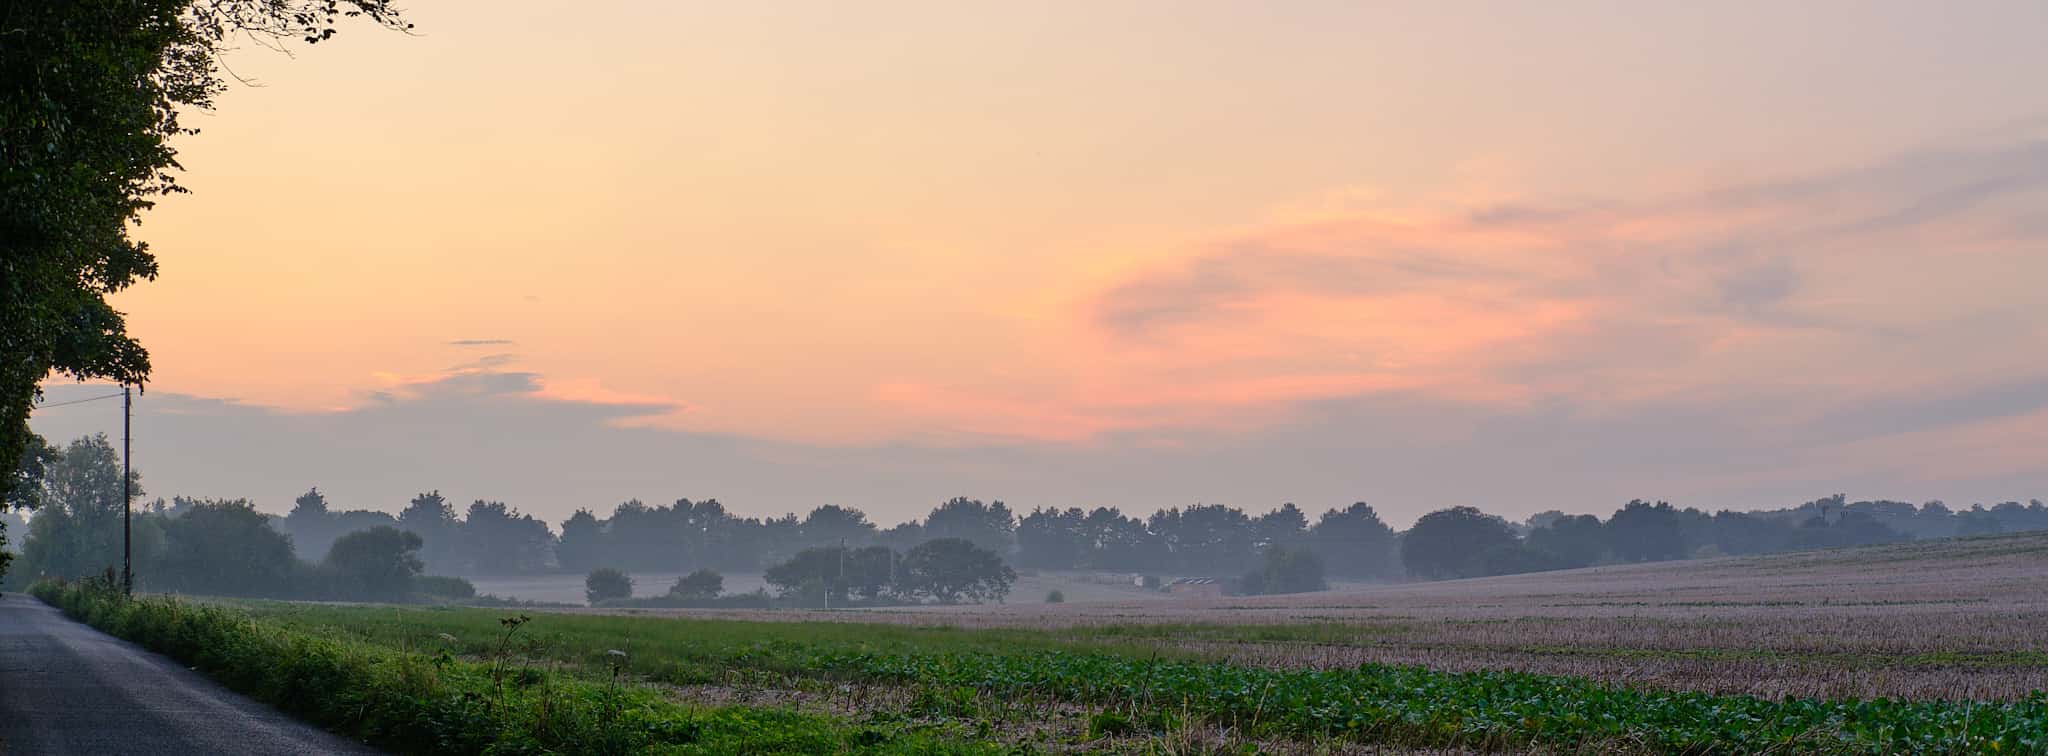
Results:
<point x="1195" y="587"/>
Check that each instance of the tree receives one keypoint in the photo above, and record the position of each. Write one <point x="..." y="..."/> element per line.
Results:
<point x="607" y="583"/>
<point x="902" y="536"/>
<point x="1570" y="540"/>
<point x="1205" y="537"/>
<point x="582" y="542"/>
<point x="1850" y="529"/>
<point x="1118" y="542"/>
<point x="701" y="584"/>
<point x="1286" y="526"/>
<point x="495" y="539"/>
<point x="988" y="525"/>
<point x="1354" y="542"/>
<point x="1286" y="570"/>
<point x="1743" y="533"/>
<point x="1053" y="538"/>
<point x="222" y="547"/>
<point x="90" y="96"/>
<point x="832" y="524"/>
<point x="1645" y="532"/>
<point x="24" y="488"/>
<point x="77" y="530"/>
<point x="949" y="569"/>
<point x="823" y="566"/>
<point x="377" y="563"/>
<point x="432" y="518"/>
<point x="1448" y="543"/>
<point x="872" y="571"/>
<point x="311" y="505"/>
<point x="1975" y="521"/>
<point x="311" y="525"/>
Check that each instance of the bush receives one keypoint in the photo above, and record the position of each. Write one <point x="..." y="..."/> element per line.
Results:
<point x="443" y="588"/>
<point x="606" y="584"/>
<point x="1055" y="597"/>
<point x="702" y="584"/>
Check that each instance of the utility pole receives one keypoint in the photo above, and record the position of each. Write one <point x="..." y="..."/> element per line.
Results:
<point x="127" y="497"/>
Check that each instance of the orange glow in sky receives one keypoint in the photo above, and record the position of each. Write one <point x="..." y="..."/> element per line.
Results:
<point x="1079" y="227"/>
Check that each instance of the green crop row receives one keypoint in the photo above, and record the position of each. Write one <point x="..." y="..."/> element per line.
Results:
<point x="952" y="669"/>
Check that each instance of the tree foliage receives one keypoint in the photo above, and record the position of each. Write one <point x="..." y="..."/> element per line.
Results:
<point x="701" y="584"/>
<point x="951" y="569"/>
<point x="379" y="563"/>
<point x="1449" y="543"/>
<point x="605" y="584"/>
<point x="1285" y="570"/>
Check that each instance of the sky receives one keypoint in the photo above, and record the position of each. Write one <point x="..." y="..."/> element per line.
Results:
<point x="1520" y="256"/>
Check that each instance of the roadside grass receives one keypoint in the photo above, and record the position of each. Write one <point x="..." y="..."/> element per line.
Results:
<point x="427" y="701"/>
<point x="1124" y="682"/>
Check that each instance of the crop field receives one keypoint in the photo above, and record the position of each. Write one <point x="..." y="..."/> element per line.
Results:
<point x="1928" y="648"/>
<point x="1950" y="620"/>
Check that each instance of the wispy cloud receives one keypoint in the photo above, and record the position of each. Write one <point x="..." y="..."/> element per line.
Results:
<point x="1762" y="284"/>
<point x="480" y="342"/>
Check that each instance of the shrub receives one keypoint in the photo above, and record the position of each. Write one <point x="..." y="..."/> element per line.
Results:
<point x="1055" y="597"/>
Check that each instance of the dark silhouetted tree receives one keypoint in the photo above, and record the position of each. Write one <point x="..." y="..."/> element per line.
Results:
<point x="701" y="584"/>
<point x="582" y="542"/>
<point x="1285" y="570"/>
<point x="379" y="563"/>
<point x="605" y="584"/>
<point x="1053" y="539"/>
<point x="222" y="548"/>
<point x="77" y="529"/>
<point x="1354" y="542"/>
<point x="1645" y="532"/>
<point x="1205" y="538"/>
<point x="818" y="566"/>
<point x="831" y="524"/>
<point x="495" y="539"/>
<point x="432" y="518"/>
<point x="1570" y="540"/>
<point x="952" y="569"/>
<point x="989" y="526"/>
<point x="1449" y="543"/>
<point x="1285" y="527"/>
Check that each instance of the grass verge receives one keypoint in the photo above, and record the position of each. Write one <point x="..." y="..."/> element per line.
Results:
<point x="435" y="702"/>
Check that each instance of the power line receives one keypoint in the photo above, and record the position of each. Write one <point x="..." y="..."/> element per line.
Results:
<point x="77" y="401"/>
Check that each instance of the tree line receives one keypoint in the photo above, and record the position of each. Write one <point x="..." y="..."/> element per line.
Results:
<point x="202" y="546"/>
<point x="226" y="546"/>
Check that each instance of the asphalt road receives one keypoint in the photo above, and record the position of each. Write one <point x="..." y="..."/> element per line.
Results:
<point x="66" y="688"/>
